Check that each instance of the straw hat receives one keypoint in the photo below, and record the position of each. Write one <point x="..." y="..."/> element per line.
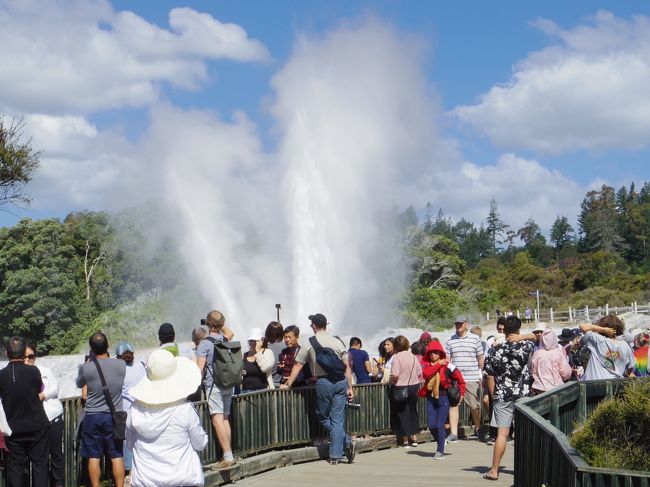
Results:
<point x="169" y="379"/>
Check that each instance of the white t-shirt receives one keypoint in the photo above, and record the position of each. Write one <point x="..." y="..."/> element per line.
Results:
<point x="610" y="358"/>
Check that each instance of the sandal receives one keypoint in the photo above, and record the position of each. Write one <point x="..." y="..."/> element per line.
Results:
<point x="487" y="476"/>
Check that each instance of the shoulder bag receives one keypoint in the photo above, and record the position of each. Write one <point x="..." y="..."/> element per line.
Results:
<point x="119" y="417"/>
<point x="401" y="393"/>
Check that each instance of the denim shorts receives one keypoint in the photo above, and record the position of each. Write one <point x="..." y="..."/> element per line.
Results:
<point x="97" y="437"/>
<point x="219" y="400"/>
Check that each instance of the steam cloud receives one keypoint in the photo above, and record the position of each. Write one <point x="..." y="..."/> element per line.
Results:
<point x="304" y="225"/>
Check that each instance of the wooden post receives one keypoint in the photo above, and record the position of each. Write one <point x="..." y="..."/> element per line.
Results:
<point x="607" y="309"/>
<point x="582" y="402"/>
<point x="554" y="416"/>
<point x="636" y="310"/>
<point x="570" y="315"/>
<point x="487" y="316"/>
<point x="551" y="312"/>
<point x="536" y="317"/>
<point x="587" y="313"/>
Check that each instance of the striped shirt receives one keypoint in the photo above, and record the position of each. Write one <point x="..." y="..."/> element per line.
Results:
<point x="464" y="352"/>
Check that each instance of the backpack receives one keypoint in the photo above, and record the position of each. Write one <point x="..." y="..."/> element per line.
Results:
<point x="329" y="361"/>
<point x="453" y="391"/>
<point x="227" y="363"/>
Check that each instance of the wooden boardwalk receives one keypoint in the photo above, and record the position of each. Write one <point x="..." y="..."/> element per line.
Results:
<point x="463" y="465"/>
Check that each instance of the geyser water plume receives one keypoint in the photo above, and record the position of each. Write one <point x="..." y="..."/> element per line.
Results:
<point x="355" y="118"/>
<point x="305" y="225"/>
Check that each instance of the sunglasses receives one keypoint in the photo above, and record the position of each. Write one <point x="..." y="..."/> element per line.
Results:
<point x="31" y="356"/>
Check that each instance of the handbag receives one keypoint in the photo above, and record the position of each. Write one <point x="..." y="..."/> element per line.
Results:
<point x="453" y="391"/>
<point x="119" y="417"/>
<point x="402" y="393"/>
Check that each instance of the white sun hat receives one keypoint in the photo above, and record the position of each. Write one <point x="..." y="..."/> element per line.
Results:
<point x="541" y="326"/>
<point x="169" y="379"/>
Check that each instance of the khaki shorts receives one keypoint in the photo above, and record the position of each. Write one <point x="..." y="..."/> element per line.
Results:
<point x="219" y="400"/>
<point x="472" y="395"/>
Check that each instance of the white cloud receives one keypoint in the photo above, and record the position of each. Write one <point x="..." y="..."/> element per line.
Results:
<point x="589" y="91"/>
<point x="80" y="166"/>
<point x="80" y="56"/>
<point x="523" y="188"/>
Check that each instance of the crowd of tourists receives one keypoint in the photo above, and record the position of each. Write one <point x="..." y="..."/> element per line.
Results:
<point x="140" y="416"/>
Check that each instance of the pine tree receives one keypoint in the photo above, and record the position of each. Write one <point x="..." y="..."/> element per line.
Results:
<point x="495" y="226"/>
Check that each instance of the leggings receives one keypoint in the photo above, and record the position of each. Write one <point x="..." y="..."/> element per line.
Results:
<point x="437" y="412"/>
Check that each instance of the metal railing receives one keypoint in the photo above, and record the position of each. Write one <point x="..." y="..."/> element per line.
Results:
<point x="262" y="421"/>
<point x="543" y="453"/>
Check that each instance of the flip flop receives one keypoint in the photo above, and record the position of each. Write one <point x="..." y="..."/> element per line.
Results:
<point x="487" y="476"/>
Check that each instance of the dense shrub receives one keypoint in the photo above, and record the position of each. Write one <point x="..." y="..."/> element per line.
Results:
<point x="617" y="434"/>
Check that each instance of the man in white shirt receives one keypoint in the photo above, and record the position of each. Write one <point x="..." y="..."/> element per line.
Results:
<point x="465" y="351"/>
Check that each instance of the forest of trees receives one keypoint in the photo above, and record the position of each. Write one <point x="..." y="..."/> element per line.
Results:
<point x="459" y="267"/>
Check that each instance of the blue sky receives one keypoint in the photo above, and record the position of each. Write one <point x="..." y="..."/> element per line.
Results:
<point x="541" y="97"/>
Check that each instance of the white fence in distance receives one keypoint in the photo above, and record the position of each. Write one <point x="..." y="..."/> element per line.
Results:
<point x="580" y="315"/>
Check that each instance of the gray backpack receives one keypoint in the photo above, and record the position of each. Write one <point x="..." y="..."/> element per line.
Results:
<point x="227" y="363"/>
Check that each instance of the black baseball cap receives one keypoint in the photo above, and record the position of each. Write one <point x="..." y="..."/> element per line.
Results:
<point x="318" y="320"/>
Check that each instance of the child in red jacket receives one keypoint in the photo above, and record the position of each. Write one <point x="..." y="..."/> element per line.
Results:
<point x="436" y="383"/>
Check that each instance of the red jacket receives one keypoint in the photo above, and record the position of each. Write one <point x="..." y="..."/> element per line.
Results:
<point x="429" y="370"/>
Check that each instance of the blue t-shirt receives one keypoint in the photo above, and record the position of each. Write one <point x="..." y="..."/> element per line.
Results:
<point x="359" y="359"/>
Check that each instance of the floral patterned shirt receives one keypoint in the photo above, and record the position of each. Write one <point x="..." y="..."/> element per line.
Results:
<point x="508" y="363"/>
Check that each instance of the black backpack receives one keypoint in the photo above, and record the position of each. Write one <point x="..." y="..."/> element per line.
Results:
<point x="329" y="361"/>
<point x="227" y="363"/>
<point x="453" y="391"/>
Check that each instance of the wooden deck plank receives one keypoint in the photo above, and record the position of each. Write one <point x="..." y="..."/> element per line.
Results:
<point x="463" y="465"/>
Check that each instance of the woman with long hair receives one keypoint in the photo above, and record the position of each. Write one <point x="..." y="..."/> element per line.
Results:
<point x="405" y="379"/>
<point x="386" y="352"/>
<point x="274" y="335"/>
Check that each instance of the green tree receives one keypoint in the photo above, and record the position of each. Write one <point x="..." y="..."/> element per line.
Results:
<point x="562" y="234"/>
<point x="599" y="222"/>
<point x="39" y="295"/>
<point x="474" y="244"/>
<point x="18" y="162"/>
<point x="442" y="225"/>
<point x="495" y="226"/>
<point x="434" y="260"/>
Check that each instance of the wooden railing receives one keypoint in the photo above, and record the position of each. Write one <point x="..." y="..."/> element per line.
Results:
<point x="263" y="421"/>
<point x="543" y="453"/>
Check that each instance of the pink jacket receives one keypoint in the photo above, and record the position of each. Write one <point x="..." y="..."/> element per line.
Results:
<point x="549" y="365"/>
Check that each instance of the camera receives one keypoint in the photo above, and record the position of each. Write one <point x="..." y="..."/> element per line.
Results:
<point x="278" y="306"/>
<point x="203" y="322"/>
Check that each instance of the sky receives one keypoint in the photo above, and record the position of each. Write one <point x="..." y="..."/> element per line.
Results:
<point x="532" y="103"/>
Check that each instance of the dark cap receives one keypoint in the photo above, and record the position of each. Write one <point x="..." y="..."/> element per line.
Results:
<point x="460" y="319"/>
<point x="166" y="330"/>
<point x="318" y="320"/>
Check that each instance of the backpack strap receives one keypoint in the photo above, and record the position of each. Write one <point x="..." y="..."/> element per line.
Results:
<point x="314" y="343"/>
